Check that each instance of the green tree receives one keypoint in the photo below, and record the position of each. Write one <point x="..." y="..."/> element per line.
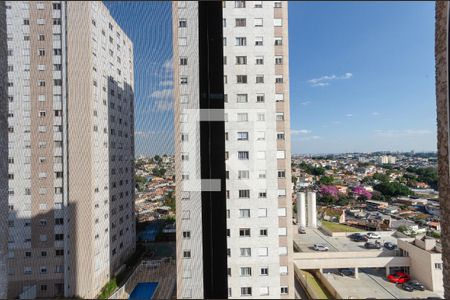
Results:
<point x="326" y="180"/>
<point x="381" y="177"/>
<point x="393" y="189"/>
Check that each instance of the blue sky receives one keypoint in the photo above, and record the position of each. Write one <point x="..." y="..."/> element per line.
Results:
<point x="361" y="75"/>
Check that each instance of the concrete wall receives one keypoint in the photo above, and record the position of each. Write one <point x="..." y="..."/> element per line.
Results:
<point x="442" y="98"/>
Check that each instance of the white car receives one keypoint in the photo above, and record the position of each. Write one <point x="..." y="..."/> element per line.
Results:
<point x="372" y="235"/>
<point x="320" y="247"/>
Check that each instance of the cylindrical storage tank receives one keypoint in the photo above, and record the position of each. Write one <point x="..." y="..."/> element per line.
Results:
<point x="301" y="209"/>
<point x="312" y="211"/>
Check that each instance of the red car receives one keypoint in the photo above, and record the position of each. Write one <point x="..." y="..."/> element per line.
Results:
<point x="398" y="277"/>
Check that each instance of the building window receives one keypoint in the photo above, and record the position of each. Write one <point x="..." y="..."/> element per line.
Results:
<point x="241" y="22"/>
<point x="183" y="80"/>
<point x="278" y="41"/>
<point x="278" y="60"/>
<point x="183" y="61"/>
<point x="187" y="254"/>
<point x="258" y="22"/>
<point x="242" y="136"/>
<point x="438" y="266"/>
<point x="241" y="60"/>
<point x="242" y="98"/>
<point x="242" y="117"/>
<point x="239" y="4"/>
<point x="277" y="22"/>
<point x="245" y="252"/>
<point x="258" y="41"/>
<point x="244" y="213"/>
<point x="278" y="78"/>
<point x="264" y="271"/>
<point x="43" y="287"/>
<point x="186" y="235"/>
<point x="259" y="60"/>
<point x="243" y="155"/>
<point x="243" y="174"/>
<point x="284" y="290"/>
<point x="182" y="23"/>
<point x="259" y="78"/>
<point x="224" y="22"/>
<point x="241" y="78"/>
<point x="277" y="4"/>
<point x="263" y="232"/>
<point x="241" y="41"/>
<point x="246" y="271"/>
<point x="244" y="232"/>
<point x="246" y="291"/>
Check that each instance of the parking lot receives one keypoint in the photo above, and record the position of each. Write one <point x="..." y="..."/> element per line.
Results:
<point x="305" y="242"/>
<point x="371" y="283"/>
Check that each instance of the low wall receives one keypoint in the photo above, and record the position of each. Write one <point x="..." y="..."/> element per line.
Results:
<point x="311" y="292"/>
<point x="324" y="280"/>
<point x="343" y="234"/>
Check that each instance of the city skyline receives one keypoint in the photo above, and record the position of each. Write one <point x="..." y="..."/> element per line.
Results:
<point x="341" y="101"/>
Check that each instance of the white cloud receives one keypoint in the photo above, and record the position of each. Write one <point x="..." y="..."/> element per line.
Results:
<point x="337" y="122"/>
<point x="310" y="138"/>
<point x="163" y="104"/>
<point x="326" y="79"/>
<point x="166" y="83"/>
<point x="349" y="115"/>
<point x="305" y="103"/>
<point x="375" y="113"/>
<point x="300" y="131"/>
<point x="394" y="133"/>
<point x="163" y="93"/>
<point x="143" y="134"/>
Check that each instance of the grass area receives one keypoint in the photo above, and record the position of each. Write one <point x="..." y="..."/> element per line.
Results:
<point x="315" y="285"/>
<point x="109" y="289"/>
<point x="335" y="227"/>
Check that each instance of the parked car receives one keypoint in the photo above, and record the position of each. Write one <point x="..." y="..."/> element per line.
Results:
<point x="416" y="285"/>
<point x="346" y="272"/>
<point x="408" y="287"/>
<point x="398" y="277"/>
<point x="301" y="230"/>
<point x="320" y="247"/>
<point x="373" y="235"/>
<point x="359" y="238"/>
<point x="353" y="235"/>
<point x="371" y="245"/>
<point x="390" y="246"/>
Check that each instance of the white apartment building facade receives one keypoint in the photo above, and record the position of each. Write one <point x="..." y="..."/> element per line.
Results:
<point x="70" y="150"/>
<point x="257" y="145"/>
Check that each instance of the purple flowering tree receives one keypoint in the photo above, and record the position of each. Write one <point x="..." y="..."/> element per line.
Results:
<point x="361" y="192"/>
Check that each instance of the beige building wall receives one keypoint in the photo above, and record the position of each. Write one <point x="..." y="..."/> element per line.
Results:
<point x="442" y="101"/>
<point x="71" y="130"/>
<point x="425" y="265"/>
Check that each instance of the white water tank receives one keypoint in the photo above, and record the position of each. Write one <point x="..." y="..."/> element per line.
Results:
<point x="312" y="211"/>
<point x="301" y="209"/>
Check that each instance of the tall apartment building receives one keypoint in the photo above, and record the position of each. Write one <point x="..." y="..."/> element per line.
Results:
<point x="71" y="148"/>
<point x="257" y="148"/>
<point x="3" y="153"/>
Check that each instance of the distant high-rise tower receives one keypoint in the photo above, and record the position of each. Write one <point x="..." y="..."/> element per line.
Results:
<point x="71" y="148"/>
<point x="257" y="153"/>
